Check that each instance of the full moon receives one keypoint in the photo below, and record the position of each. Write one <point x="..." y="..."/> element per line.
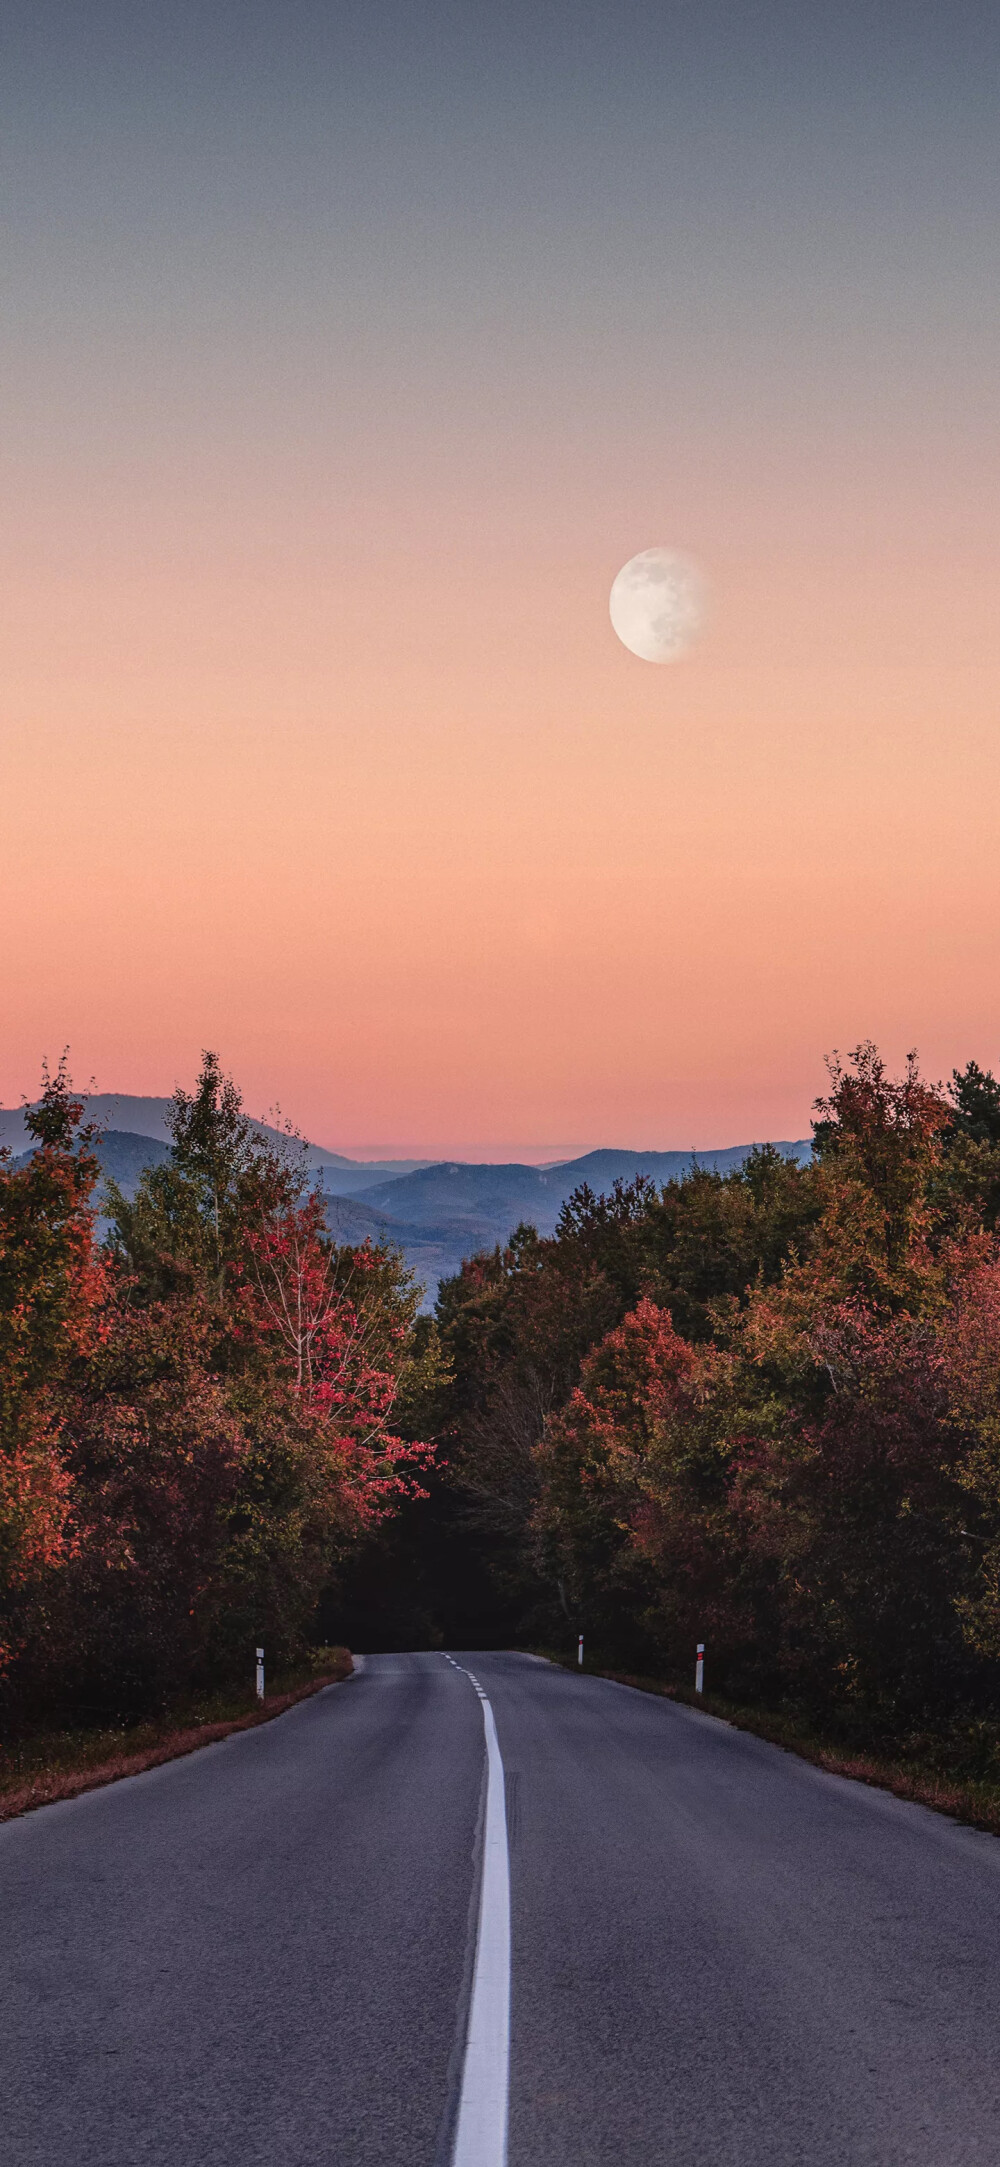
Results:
<point x="657" y="604"/>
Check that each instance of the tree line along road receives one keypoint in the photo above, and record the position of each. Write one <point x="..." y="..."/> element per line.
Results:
<point x="474" y="1908"/>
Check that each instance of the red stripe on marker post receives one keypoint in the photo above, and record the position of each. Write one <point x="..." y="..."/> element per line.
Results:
<point x="699" y="1668"/>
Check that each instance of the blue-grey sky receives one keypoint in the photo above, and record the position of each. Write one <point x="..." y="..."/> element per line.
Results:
<point x="347" y="353"/>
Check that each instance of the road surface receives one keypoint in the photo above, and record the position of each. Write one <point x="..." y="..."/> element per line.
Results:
<point x="265" y="1955"/>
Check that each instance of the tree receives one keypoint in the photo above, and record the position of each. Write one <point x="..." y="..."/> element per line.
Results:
<point x="593" y="1461"/>
<point x="196" y="1422"/>
<point x="52" y="1314"/>
<point x="188" y="1223"/>
<point x="307" y="1343"/>
<point x="516" y="1326"/>
<point x="975" y="1105"/>
<point x="880" y="1140"/>
<point x="158" y="1463"/>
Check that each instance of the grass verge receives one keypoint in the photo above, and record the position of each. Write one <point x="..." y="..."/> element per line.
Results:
<point x="59" y="1764"/>
<point x="920" y="1773"/>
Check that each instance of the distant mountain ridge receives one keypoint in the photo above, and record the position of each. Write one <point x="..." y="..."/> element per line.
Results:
<point x="454" y="1193"/>
<point x="120" y="1113"/>
<point x="123" y="1156"/>
<point x="435" y="1212"/>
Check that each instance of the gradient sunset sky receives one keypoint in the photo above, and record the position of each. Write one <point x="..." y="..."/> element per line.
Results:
<point x="348" y="353"/>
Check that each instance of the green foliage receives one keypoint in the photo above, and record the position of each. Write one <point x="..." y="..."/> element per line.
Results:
<point x="50" y="1279"/>
<point x="196" y="1423"/>
<point x="975" y="1096"/>
<point x="187" y="1224"/>
<point x="518" y="1324"/>
<point x="758" y="1409"/>
<point x="969" y="1175"/>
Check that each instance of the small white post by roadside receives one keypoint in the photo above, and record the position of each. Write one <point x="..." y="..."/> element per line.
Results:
<point x="260" y="1674"/>
<point x="699" y="1668"/>
<point x="579" y="1651"/>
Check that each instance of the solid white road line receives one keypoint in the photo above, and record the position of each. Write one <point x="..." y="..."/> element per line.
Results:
<point x="481" y="2130"/>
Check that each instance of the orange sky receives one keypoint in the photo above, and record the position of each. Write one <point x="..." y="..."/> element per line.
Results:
<point x="317" y="746"/>
<point x="446" y="869"/>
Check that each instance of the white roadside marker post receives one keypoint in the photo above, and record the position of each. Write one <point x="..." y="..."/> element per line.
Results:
<point x="699" y="1668"/>
<point x="260" y="1674"/>
<point x="579" y="1651"/>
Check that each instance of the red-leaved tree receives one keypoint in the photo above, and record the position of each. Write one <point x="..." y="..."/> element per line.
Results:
<point x="53" y="1288"/>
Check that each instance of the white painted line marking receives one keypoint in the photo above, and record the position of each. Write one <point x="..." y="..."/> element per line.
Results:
<point x="481" y="2132"/>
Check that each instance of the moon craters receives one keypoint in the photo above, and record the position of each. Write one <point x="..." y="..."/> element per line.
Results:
<point x="657" y="604"/>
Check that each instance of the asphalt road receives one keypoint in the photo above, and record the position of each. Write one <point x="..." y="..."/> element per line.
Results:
<point x="262" y="1956"/>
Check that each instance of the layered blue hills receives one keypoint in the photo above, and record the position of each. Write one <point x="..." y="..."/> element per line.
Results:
<point x="435" y="1212"/>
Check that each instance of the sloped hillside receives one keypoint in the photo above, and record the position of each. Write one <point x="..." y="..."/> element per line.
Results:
<point x="500" y="1196"/>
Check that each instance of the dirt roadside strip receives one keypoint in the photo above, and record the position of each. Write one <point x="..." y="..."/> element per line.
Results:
<point x="47" y="1786"/>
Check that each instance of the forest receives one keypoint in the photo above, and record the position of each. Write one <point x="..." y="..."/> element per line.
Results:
<point x="198" y="1403"/>
<point x="758" y="1409"/>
